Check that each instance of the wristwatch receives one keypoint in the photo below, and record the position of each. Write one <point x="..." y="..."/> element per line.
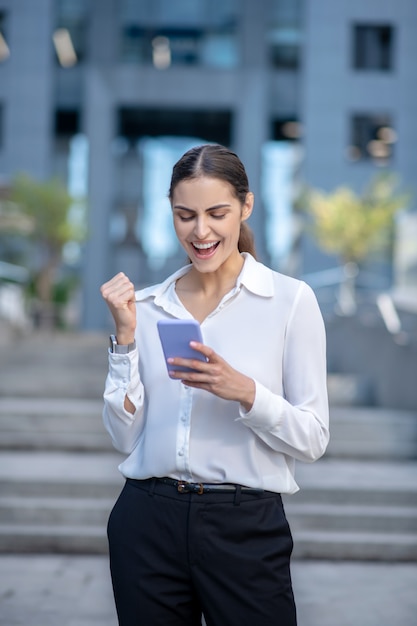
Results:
<point x="115" y="348"/>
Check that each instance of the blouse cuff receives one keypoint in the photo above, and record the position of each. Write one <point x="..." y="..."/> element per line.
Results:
<point x="267" y="410"/>
<point x="124" y="372"/>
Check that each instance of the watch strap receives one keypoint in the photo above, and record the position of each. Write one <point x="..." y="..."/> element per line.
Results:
<point x="116" y="348"/>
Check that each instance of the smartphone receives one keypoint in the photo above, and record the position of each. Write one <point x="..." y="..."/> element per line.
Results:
<point x="175" y="336"/>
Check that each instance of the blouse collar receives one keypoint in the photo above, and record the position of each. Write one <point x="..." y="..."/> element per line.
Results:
<point x="254" y="276"/>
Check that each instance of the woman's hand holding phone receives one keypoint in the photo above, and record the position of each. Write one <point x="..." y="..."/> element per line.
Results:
<point x="199" y="366"/>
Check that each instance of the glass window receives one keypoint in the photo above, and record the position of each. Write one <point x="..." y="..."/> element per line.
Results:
<point x="71" y="30"/>
<point x="285" y="34"/>
<point x="185" y="32"/>
<point x="134" y="123"/>
<point x="67" y="122"/>
<point x="372" y="138"/>
<point x="373" y="47"/>
<point x="280" y="163"/>
<point x="286" y="129"/>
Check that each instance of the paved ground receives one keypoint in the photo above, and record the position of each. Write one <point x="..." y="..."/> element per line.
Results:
<point x="76" y="591"/>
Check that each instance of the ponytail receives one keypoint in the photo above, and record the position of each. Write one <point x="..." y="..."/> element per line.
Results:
<point x="246" y="241"/>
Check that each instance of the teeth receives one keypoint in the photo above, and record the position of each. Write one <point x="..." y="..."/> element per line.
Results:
<point x="204" y="246"/>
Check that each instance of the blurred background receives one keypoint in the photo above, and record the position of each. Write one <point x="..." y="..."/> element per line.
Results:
<point x="98" y="99"/>
<point x="104" y="96"/>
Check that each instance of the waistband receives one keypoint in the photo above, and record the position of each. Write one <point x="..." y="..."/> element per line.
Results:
<point x="183" y="487"/>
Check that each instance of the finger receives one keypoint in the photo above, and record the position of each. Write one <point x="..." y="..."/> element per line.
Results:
<point x="124" y="293"/>
<point x="195" y="365"/>
<point x="118" y="289"/>
<point x="204" y="350"/>
<point x="115" y="280"/>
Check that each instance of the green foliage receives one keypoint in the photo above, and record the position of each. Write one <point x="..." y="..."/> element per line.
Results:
<point x="47" y="204"/>
<point x="352" y="225"/>
<point x="13" y="221"/>
<point x="46" y="208"/>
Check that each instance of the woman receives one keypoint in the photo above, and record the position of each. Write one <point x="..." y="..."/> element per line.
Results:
<point x="199" y="527"/>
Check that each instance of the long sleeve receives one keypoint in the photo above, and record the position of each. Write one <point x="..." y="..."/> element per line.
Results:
<point x="297" y="422"/>
<point x="123" y="379"/>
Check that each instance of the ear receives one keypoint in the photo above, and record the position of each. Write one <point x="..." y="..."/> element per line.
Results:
<point x="247" y="206"/>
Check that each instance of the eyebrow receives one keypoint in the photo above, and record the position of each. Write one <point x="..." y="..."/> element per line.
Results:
<point x="211" y="208"/>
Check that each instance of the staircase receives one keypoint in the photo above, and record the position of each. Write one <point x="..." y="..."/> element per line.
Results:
<point x="355" y="510"/>
<point x="360" y="500"/>
<point x="59" y="477"/>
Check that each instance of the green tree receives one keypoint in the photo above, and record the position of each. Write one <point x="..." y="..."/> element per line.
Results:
<point x="13" y="220"/>
<point x="47" y="204"/>
<point x="351" y="225"/>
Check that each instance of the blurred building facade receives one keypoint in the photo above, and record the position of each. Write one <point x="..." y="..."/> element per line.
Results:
<point x="108" y="93"/>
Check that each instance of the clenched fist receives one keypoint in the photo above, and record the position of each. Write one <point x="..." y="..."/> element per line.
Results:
<point x="119" y="294"/>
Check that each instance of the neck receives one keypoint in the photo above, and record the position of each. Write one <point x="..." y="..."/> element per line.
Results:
<point x="222" y="280"/>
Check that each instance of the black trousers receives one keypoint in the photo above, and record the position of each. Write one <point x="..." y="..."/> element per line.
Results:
<point x="174" y="557"/>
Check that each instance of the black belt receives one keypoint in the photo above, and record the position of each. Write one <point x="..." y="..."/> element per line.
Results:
<point x="183" y="486"/>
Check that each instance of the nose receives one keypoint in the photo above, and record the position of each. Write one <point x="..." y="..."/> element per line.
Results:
<point x="201" y="227"/>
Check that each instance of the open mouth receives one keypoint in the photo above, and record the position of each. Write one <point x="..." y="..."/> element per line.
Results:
<point x="205" y="249"/>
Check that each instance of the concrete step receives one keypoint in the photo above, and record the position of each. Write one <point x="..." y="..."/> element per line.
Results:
<point x="315" y="544"/>
<point x="57" y="501"/>
<point x="55" y="510"/>
<point x="363" y="518"/>
<point x="43" y="509"/>
<point x="64" y="539"/>
<point x="76" y="425"/>
<point x="60" y="474"/>
<point x="60" y="502"/>
<point x="307" y="545"/>
<point x="350" y="509"/>
<point x="50" y="423"/>
<point x="372" y="433"/>
<point x="340" y="496"/>
<point x="64" y="407"/>
<point x="324" y="543"/>
<point x="55" y="365"/>
<point x="355" y="546"/>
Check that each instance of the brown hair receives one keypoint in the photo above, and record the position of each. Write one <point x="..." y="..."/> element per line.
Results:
<point x="219" y="162"/>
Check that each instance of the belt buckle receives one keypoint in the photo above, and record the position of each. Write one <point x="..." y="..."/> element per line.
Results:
<point x="184" y="487"/>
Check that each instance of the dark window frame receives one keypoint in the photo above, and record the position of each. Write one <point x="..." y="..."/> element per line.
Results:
<point x="133" y="123"/>
<point x="78" y="28"/>
<point x="284" y="128"/>
<point x="67" y="122"/>
<point x="3" y="20"/>
<point x="365" y="127"/>
<point x="373" y="46"/>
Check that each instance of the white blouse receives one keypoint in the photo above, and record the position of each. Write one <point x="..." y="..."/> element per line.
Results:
<point x="268" y="327"/>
